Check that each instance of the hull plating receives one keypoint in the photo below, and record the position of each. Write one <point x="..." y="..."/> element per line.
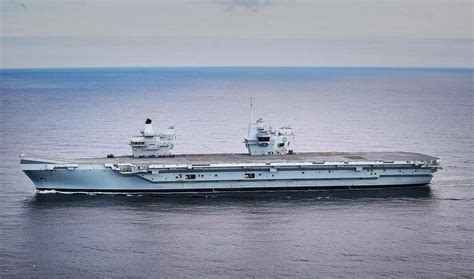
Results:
<point x="230" y="172"/>
<point x="108" y="180"/>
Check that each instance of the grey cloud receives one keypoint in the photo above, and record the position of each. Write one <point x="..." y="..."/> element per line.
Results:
<point x="245" y="5"/>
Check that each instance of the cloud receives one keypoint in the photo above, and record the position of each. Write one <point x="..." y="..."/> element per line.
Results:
<point x="236" y="6"/>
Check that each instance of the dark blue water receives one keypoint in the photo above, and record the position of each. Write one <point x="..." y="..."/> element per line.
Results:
<point x="93" y="112"/>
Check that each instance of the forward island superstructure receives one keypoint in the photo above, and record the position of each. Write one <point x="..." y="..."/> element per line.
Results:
<point x="270" y="165"/>
<point x="150" y="144"/>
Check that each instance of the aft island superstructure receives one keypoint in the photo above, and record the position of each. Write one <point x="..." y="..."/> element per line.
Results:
<point x="270" y="165"/>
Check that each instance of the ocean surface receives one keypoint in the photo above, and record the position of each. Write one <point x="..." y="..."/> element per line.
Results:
<point x="365" y="233"/>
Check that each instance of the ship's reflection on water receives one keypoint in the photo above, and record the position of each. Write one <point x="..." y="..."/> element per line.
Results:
<point x="340" y="197"/>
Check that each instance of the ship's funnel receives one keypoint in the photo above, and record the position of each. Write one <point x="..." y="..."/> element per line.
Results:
<point x="148" y="131"/>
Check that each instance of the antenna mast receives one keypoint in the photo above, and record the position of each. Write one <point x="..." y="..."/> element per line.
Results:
<point x="251" y="110"/>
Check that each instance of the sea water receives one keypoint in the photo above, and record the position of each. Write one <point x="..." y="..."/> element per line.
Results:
<point x="93" y="112"/>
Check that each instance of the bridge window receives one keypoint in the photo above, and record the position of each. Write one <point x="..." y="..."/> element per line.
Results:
<point x="190" y="176"/>
<point x="281" y="144"/>
<point x="263" y="138"/>
<point x="250" y="175"/>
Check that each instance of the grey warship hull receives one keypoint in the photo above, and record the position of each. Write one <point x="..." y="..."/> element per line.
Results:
<point x="231" y="172"/>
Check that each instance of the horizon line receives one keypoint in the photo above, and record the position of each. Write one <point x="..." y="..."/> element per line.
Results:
<point x="227" y="66"/>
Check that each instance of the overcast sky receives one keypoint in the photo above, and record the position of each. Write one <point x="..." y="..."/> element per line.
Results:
<point x="86" y="33"/>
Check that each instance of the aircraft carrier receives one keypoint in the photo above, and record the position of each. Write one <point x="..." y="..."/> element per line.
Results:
<point x="270" y="165"/>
